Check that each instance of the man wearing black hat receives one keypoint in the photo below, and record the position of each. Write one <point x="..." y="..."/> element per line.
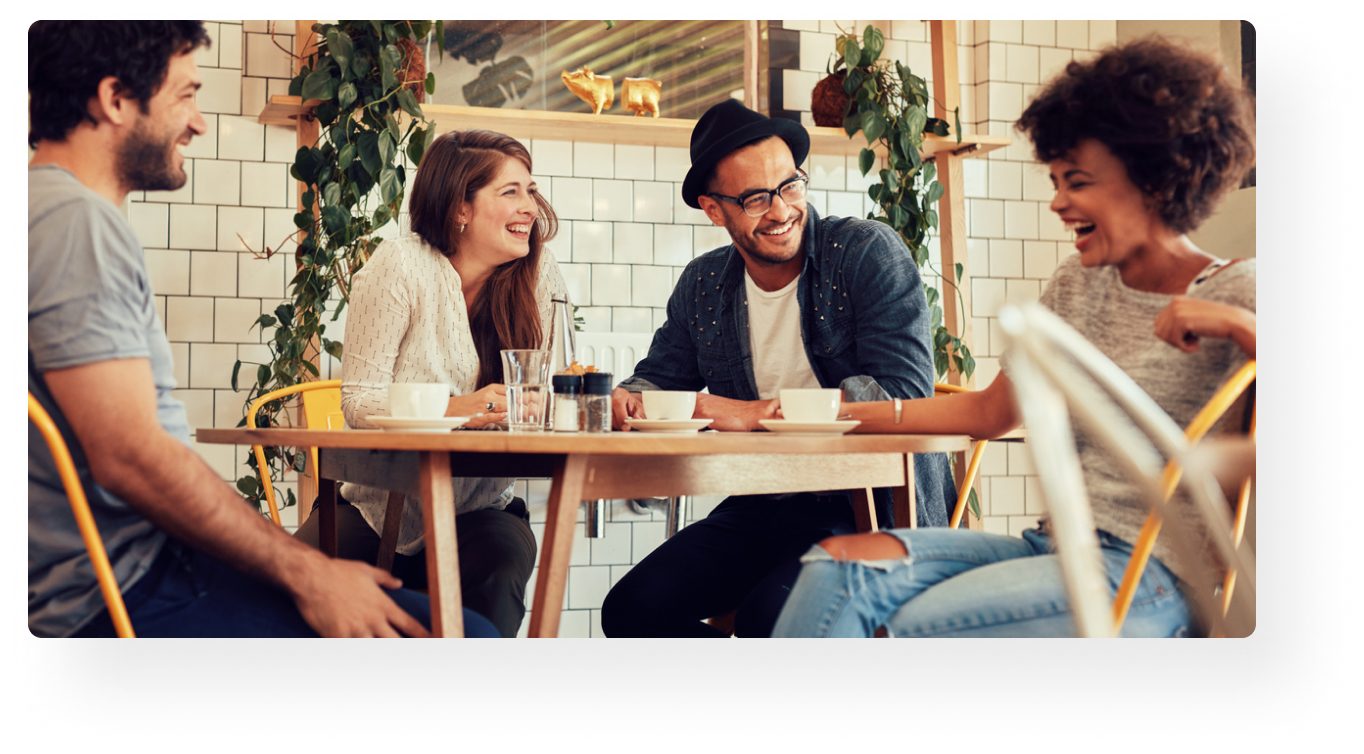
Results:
<point x="797" y="301"/>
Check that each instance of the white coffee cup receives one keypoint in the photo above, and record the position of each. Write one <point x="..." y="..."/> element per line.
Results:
<point x="811" y="405"/>
<point x="418" y="400"/>
<point x="669" y="405"/>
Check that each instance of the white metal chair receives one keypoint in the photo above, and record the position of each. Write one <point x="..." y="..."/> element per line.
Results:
<point x="1051" y="364"/>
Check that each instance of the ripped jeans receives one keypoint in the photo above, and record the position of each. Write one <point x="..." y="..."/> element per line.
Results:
<point x="960" y="583"/>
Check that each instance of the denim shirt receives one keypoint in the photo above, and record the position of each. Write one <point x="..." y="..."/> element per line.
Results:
<point x="864" y="322"/>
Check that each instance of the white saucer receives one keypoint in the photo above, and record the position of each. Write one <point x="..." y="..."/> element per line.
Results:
<point x="808" y="428"/>
<point x="418" y="424"/>
<point x="676" y="426"/>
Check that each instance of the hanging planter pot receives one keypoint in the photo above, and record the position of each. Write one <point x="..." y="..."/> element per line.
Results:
<point x="828" y="101"/>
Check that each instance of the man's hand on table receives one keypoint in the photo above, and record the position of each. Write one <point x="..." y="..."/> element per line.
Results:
<point x="343" y="599"/>
<point x="730" y="415"/>
<point x="625" y="405"/>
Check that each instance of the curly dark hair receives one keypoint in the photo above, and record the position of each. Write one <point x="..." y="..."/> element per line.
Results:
<point x="1183" y="125"/>
<point x="68" y="59"/>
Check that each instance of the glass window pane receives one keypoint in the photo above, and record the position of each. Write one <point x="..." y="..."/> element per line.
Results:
<point x="517" y="64"/>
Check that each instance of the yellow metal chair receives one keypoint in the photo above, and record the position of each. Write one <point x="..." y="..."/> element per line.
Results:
<point x="964" y="489"/>
<point x="1141" y="551"/>
<point x="321" y="402"/>
<point x="66" y="468"/>
<point x="322" y="410"/>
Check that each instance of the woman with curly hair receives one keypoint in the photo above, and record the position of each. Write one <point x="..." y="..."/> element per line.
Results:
<point x="1141" y="144"/>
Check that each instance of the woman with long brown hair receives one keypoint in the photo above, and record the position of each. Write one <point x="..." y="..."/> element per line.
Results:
<point x="438" y="304"/>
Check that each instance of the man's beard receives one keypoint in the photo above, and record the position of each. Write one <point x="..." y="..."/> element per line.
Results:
<point x="147" y="164"/>
<point x="762" y="255"/>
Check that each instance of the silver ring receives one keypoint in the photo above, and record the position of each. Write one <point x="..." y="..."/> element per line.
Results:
<point x="490" y="405"/>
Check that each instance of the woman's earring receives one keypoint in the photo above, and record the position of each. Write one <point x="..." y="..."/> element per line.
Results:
<point x="462" y="226"/>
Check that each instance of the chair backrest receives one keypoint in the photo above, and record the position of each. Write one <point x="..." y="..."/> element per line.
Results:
<point x="85" y="521"/>
<point x="614" y="352"/>
<point x="318" y="413"/>
<point x="1050" y="362"/>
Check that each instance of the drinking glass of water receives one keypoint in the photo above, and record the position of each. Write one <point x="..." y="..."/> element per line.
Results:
<point x="525" y="372"/>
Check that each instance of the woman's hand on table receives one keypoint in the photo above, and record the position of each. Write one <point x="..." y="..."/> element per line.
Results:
<point x="476" y="406"/>
<point x="1185" y="320"/>
<point x="625" y="405"/>
<point x="730" y="415"/>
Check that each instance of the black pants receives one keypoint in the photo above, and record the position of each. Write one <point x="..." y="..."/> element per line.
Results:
<point x="496" y="555"/>
<point x="744" y="555"/>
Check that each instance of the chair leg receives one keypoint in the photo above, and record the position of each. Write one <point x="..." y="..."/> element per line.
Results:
<point x="596" y="518"/>
<point x="677" y="513"/>
<point x="326" y="511"/>
<point x="388" y="542"/>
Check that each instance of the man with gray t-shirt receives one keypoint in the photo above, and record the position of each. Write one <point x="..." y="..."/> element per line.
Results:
<point x="111" y="104"/>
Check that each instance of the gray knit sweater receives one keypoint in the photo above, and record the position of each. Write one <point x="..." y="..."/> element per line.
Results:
<point x="1120" y="322"/>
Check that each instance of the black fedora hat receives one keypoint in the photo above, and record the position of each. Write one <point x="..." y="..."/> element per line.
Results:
<point x="728" y="126"/>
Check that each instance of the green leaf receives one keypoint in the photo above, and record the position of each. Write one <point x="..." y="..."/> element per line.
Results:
<point x="331" y="194"/>
<point x="387" y="147"/>
<point x="389" y="188"/>
<point x="335" y="219"/>
<point x="865" y="160"/>
<point x="303" y="220"/>
<point x="368" y="145"/>
<point x="874" y="191"/>
<point x="930" y="172"/>
<point x="869" y="127"/>
<point x="390" y="58"/>
<point x="914" y="123"/>
<point x="430" y="83"/>
<point x="853" y="54"/>
<point x="934" y="192"/>
<point x="319" y="85"/>
<point x="346" y="94"/>
<point x="340" y="48"/>
<point x="956" y="116"/>
<point x="237" y="367"/>
<point x="262" y="375"/>
<point x="408" y="102"/>
<point x="931" y="216"/>
<point x="973" y="503"/>
<point x="416" y="146"/>
<point x="873" y="41"/>
<point x="305" y="165"/>
<point x="361" y="66"/>
<point x="852" y="123"/>
<point x="346" y="155"/>
<point x="333" y="348"/>
<point x="249" y="486"/>
<point x="931" y="294"/>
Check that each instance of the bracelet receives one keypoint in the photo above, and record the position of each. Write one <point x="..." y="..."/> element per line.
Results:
<point x="898" y="406"/>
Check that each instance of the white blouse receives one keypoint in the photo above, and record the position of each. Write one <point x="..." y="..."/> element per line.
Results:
<point x="408" y="323"/>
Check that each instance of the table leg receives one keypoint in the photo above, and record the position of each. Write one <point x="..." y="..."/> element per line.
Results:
<point x="906" y="504"/>
<point x="565" y="495"/>
<point x="864" y="509"/>
<point x="326" y="516"/>
<point x="442" y="555"/>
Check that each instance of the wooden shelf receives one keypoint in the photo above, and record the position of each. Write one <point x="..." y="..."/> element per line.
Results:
<point x="620" y="129"/>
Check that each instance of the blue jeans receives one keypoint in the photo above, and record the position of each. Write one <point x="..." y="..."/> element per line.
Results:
<point x="189" y="594"/>
<point x="960" y="583"/>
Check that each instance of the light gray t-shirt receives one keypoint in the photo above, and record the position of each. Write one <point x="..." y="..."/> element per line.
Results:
<point x="89" y="300"/>
<point x="1120" y="322"/>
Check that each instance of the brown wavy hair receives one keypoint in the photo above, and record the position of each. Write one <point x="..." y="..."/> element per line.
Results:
<point x="1182" y="124"/>
<point x="453" y="169"/>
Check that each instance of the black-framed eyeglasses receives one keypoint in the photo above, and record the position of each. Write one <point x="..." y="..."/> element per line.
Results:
<point x="756" y="203"/>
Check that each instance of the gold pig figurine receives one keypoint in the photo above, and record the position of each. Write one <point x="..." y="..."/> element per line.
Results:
<point x="597" y="91"/>
<point x="640" y="95"/>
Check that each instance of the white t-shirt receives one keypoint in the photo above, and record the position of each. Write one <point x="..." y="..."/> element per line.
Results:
<point x="779" y="360"/>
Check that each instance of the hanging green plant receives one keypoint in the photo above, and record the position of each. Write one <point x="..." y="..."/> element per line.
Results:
<point x="889" y="105"/>
<point x="365" y="77"/>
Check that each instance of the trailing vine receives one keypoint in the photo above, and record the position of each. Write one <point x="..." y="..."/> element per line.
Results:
<point x="889" y="105"/>
<point x="363" y="79"/>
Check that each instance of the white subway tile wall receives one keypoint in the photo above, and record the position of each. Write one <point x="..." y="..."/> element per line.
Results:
<point x="625" y="236"/>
